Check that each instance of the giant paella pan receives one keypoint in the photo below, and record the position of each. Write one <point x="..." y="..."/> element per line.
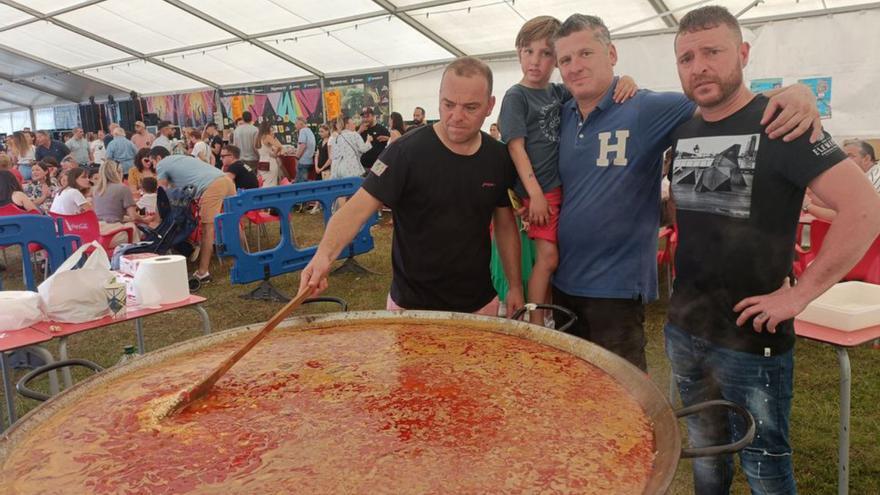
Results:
<point x="365" y="402"/>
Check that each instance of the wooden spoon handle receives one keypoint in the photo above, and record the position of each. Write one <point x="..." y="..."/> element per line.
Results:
<point x="202" y="388"/>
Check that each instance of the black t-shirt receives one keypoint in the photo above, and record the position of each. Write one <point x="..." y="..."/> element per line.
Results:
<point x="217" y="142"/>
<point x="442" y="205"/>
<point x="368" y="158"/>
<point x="738" y="196"/>
<point x="244" y="178"/>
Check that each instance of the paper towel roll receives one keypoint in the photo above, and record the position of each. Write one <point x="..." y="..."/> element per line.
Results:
<point x="161" y="280"/>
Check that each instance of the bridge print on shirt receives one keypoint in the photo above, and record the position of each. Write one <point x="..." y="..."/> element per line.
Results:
<point x="715" y="174"/>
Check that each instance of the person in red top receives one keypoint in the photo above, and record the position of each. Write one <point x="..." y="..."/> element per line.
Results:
<point x="6" y="164"/>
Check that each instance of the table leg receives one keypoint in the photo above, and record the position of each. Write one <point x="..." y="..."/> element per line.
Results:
<point x="62" y="355"/>
<point x="206" y="322"/>
<point x="139" y="330"/>
<point x="49" y="358"/>
<point x="9" y="392"/>
<point x="843" y="447"/>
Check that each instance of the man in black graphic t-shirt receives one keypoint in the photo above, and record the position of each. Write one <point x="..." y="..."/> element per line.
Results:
<point x="738" y="196"/>
<point x="444" y="183"/>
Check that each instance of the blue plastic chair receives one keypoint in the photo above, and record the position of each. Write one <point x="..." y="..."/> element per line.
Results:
<point x="23" y="230"/>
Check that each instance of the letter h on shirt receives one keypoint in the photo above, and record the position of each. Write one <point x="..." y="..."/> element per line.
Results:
<point x="619" y="148"/>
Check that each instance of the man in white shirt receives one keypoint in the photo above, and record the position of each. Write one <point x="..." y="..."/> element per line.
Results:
<point x="860" y="152"/>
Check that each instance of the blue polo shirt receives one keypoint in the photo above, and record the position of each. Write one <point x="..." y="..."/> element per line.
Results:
<point x="610" y="165"/>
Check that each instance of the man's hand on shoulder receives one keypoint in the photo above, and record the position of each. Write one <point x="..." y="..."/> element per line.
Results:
<point x="799" y="112"/>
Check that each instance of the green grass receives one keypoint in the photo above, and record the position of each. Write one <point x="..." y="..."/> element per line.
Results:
<point x="815" y="407"/>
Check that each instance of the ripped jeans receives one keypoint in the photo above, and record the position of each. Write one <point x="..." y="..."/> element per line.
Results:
<point x="763" y="385"/>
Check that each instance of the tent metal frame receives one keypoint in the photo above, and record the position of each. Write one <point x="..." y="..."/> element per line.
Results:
<point x="385" y="8"/>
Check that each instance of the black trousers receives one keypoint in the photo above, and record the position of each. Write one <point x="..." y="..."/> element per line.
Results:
<point x="615" y="324"/>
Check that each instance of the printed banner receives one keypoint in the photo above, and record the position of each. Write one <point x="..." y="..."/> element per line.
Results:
<point x="821" y="87"/>
<point x="278" y="103"/>
<point x="186" y="110"/>
<point x="357" y="92"/>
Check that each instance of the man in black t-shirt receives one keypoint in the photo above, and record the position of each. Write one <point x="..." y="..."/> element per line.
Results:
<point x="738" y="196"/>
<point x="380" y="134"/>
<point x="215" y="142"/>
<point x="444" y="183"/>
<point x="235" y="169"/>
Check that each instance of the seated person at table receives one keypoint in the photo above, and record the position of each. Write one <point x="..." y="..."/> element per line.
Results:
<point x="114" y="204"/>
<point x="72" y="198"/>
<point x="236" y="170"/>
<point x="11" y="193"/>
<point x="147" y="202"/>
<point x="860" y="152"/>
<point x="142" y="168"/>
<point x="42" y="188"/>
<point x="6" y="164"/>
<point x="730" y="333"/>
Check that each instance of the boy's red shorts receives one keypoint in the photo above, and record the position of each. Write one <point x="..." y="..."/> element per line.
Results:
<point x="547" y="231"/>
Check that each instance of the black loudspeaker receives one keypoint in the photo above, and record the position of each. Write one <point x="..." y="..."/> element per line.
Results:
<point x="151" y="119"/>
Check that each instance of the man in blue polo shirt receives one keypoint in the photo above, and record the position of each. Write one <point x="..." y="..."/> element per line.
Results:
<point x="610" y="165"/>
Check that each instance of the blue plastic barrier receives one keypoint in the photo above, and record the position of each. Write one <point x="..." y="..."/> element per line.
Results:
<point x="23" y="230"/>
<point x="286" y="257"/>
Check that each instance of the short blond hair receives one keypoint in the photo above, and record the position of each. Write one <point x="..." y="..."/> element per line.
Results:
<point x="543" y="27"/>
<point x="469" y="67"/>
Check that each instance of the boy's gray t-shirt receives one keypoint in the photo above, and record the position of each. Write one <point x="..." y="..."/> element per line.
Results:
<point x="533" y="114"/>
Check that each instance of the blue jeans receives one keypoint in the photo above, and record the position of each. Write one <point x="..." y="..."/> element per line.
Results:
<point x="302" y="172"/>
<point x="763" y="385"/>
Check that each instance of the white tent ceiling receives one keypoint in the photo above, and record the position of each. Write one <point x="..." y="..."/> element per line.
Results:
<point x="57" y="51"/>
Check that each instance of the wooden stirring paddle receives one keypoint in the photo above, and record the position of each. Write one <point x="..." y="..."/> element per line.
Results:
<point x="200" y="389"/>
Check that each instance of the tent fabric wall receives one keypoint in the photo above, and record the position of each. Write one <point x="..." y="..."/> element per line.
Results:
<point x="846" y="51"/>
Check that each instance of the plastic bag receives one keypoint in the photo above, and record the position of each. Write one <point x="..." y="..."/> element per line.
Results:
<point x="20" y="309"/>
<point x="76" y="295"/>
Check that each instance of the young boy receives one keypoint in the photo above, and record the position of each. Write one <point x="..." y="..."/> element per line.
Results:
<point x="529" y="123"/>
<point x="147" y="202"/>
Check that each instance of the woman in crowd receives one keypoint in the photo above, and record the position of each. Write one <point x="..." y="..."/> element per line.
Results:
<point x="396" y="126"/>
<point x="97" y="152"/>
<point x="322" y="154"/>
<point x="72" y="198"/>
<point x="142" y="168"/>
<point x="199" y="146"/>
<point x="346" y="150"/>
<point x="6" y="164"/>
<point x="23" y="152"/>
<point x="42" y="188"/>
<point x="268" y="148"/>
<point x="11" y="193"/>
<point x="113" y="202"/>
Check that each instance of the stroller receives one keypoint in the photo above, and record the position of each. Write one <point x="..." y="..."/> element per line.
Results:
<point x="179" y="212"/>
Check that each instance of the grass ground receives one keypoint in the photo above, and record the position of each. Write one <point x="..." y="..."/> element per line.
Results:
<point x="815" y="408"/>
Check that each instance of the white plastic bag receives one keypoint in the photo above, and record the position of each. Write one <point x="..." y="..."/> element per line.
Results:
<point x="77" y="295"/>
<point x="19" y="309"/>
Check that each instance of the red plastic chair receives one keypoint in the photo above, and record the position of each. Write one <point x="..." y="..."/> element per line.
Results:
<point x="866" y="270"/>
<point x="666" y="255"/>
<point x="86" y="226"/>
<point x="818" y="231"/>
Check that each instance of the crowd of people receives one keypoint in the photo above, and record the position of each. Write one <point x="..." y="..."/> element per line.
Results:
<point x="586" y="157"/>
